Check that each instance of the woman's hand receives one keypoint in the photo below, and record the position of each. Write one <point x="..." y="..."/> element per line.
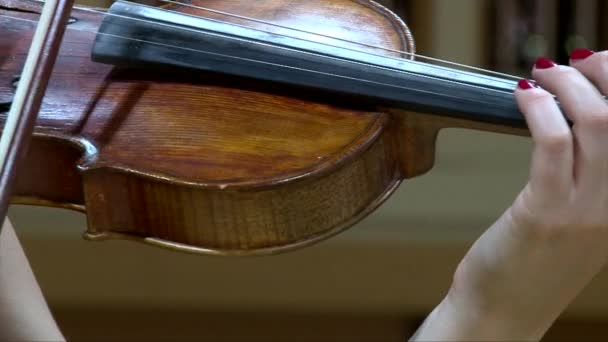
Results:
<point x="525" y="270"/>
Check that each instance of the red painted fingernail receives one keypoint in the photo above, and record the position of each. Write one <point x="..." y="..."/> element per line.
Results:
<point x="581" y="54"/>
<point x="544" y="63"/>
<point x="525" y="84"/>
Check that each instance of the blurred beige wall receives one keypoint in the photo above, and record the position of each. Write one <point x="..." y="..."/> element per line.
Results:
<point x="454" y="30"/>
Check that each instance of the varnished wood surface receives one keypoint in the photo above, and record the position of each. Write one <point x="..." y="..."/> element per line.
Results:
<point x="208" y="164"/>
<point x="369" y="80"/>
<point x="193" y="163"/>
<point x="361" y="21"/>
<point x="418" y="138"/>
<point x="29" y="92"/>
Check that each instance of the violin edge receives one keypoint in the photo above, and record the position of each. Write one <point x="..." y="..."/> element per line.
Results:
<point x="407" y="38"/>
<point x="257" y="221"/>
<point x="247" y="252"/>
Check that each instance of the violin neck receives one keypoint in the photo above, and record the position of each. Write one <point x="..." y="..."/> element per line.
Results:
<point x="136" y="35"/>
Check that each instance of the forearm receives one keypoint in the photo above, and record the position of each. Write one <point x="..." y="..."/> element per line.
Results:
<point x="24" y="314"/>
<point x="510" y="288"/>
<point x="453" y="321"/>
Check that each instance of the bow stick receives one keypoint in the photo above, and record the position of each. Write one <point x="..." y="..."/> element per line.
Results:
<point x="30" y="91"/>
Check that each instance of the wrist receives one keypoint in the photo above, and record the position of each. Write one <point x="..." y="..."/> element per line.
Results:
<point x="478" y="317"/>
<point x="455" y="319"/>
<point x="503" y="285"/>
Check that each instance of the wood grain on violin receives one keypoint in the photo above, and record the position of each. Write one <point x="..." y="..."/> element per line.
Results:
<point x="202" y="161"/>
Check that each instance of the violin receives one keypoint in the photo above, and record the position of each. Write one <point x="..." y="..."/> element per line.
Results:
<point x="233" y="127"/>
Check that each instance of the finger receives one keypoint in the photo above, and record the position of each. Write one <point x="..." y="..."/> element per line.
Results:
<point x="583" y="103"/>
<point x="579" y="98"/>
<point x="593" y="65"/>
<point x="552" y="159"/>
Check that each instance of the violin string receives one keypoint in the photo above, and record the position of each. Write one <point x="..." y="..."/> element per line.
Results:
<point x="507" y="83"/>
<point x="263" y="62"/>
<point x="431" y="66"/>
<point x="273" y="64"/>
<point x="411" y="54"/>
<point x="410" y="61"/>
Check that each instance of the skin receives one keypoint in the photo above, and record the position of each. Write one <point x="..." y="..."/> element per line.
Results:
<point x="520" y="275"/>
<point x="24" y="313"/>
<point x="541" y="253"/>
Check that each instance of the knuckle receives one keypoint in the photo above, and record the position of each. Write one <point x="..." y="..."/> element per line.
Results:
<point x="566" y="71"/>
<point x="603" y="64"/>
<point x="541" y="96"/>
<point x="596" y="121"/>
<point x="551" y="225"/>
<point x="538" y="227"/>
<point x="552" y="187"/>
<point x="566" y="229"/>
<point x="566" y="76"/>
<point x="538" y="98"/>
<point x="537" y="214"/>
<point x="555" y="143"/>
<point x="550" y="218"/>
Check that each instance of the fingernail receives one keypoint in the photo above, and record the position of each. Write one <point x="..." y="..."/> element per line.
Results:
<point x="581" y="54"/>
<point x="544" y="63"/>
<point x="525" y="84"/>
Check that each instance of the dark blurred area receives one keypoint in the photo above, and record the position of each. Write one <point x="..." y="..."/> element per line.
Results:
<point x="375" y="282"/>
<point x="515" y="32"/>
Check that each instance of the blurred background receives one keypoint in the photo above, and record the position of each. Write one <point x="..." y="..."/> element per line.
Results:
<point x="375" y="282"/>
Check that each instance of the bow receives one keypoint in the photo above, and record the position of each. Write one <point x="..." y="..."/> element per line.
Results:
<point x="30" y="91"/>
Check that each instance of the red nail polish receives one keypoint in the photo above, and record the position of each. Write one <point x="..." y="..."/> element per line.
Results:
<point x="544" y="63"/>
<point x="581" y="54"/>
<point x="525" y="84"/>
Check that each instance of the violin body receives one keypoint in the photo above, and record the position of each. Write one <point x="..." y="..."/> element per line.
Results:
<point x="203" y="163"/>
